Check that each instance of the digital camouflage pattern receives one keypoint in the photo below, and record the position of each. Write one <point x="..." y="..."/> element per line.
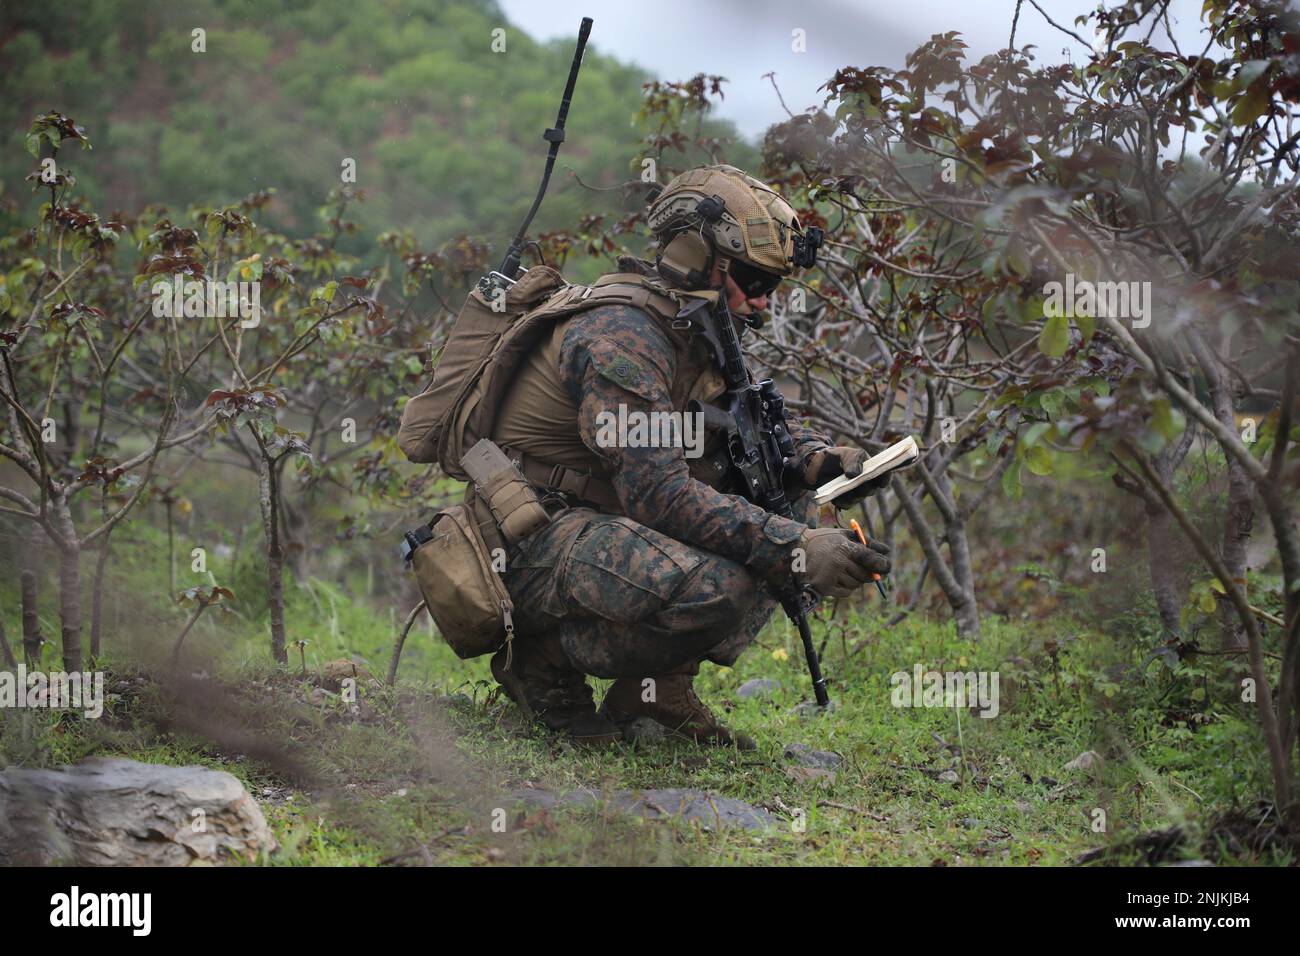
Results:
<point x="687" y="573"/>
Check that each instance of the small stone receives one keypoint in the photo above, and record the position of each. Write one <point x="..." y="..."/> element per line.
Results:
<point x="758" y="687"/>
<point x="949" y="776"/>
<point x="643" y="728"/>
<point x="805" y="756"/>
<point x="970" y="823"/>
<point x="1087" y="760"/>
<point x="816" y="775"/>
<point x="331" y="674"/>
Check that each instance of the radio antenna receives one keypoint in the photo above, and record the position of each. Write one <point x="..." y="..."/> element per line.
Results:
<point x="509" y="268"/>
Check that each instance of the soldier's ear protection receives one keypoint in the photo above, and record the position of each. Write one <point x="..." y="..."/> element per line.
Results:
<point x="687" y="259"/>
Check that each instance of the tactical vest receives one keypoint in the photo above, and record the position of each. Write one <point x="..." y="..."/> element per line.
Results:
<point x="498" y="377"/>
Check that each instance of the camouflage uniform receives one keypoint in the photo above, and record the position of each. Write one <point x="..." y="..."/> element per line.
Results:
<point x="688" y="572"/>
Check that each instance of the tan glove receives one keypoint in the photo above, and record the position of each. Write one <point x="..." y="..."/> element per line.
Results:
<point x="837" y="563"/>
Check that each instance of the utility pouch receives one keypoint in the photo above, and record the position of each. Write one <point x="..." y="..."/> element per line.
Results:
<point x="456" y="562"/>
<point x="463" y="591"/>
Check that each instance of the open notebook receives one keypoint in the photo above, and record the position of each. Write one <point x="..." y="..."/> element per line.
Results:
<point x="896" y="456"/>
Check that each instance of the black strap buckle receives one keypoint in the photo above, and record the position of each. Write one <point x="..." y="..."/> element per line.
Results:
<point x="412" y="540"/>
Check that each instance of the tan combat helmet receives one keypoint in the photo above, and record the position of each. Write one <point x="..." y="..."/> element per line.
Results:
<point x="721" y="210"/>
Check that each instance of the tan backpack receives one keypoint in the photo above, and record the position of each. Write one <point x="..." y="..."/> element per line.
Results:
<point x="486" y="346"/>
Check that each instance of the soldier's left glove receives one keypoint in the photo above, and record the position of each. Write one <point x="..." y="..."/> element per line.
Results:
<point x="829" y="462"/>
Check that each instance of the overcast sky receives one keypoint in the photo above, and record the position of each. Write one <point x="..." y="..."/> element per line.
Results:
<point x="743" y="39"/>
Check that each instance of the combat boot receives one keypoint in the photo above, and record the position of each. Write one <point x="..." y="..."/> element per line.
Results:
<point x="675" y="706"/>
<point x="548" y="689"/>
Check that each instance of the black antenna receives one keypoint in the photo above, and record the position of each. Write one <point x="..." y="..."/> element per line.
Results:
<point x="555" y="136"/>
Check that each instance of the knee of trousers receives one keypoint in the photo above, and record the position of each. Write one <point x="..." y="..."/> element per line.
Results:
<point x="711" y="598"/>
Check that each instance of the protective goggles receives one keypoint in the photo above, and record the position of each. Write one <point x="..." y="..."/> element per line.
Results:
<point x="754" y="282"/>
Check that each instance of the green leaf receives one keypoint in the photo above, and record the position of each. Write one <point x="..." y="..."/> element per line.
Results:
<point x="1011" y="480"/>
<point x="1052" y="403"/>
<point x="1055" y="337"/>
<point x="1039" y="460"/>
<point x="1251" y="106"/>
<point x="1034" y="433"/>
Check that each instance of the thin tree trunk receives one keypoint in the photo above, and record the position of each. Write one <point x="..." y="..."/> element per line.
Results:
<point x="70" y="606"/>
<point x="31" y="622"/>
<point x="270" y="498"/>
<point x="5" y="649"/>
<point x="171" y="551"/>
<point x="965" y="612"/>
<point x="968" y="612"/>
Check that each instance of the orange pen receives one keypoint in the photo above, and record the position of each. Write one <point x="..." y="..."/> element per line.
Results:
<point x="853" y="523"/>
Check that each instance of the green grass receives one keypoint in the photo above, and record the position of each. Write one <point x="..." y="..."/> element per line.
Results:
<point x="416" y="778"/>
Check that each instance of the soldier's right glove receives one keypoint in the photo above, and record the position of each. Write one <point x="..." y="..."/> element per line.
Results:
<point x="837" y="563"/>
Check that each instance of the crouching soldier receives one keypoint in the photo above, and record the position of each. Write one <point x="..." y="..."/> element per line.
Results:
<point x="650" y="563"/>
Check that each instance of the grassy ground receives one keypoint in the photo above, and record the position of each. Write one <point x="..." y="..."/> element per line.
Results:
<point x="421" y="773"/>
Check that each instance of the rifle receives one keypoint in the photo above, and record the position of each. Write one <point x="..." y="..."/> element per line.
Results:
<point x="505" y="274"/>
<point x="751" y="416"/>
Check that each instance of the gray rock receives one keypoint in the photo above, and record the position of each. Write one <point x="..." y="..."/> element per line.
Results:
<point x="758" y="687"/>
<point x="949" y="776"/>
<point x="115" y="812"/>
<point x="813" y="775"/>
<point x="709" y="810"/>
<point x="805" y="756"/>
